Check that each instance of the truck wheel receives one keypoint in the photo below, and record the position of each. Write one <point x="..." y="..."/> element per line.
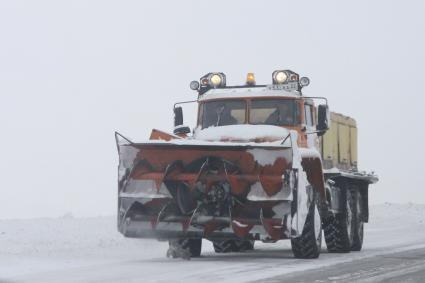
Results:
<point x="225" y="246"/>
<point x="228" y="246"/>
<point x="246" y="245"/>
<point x="339" y="229"/>
<point x="357" y="221"/>
<point x="308" y="245"/>
<point x="184" y="248"/>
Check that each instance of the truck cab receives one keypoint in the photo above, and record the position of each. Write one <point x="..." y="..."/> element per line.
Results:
<point x="279" y="104"/>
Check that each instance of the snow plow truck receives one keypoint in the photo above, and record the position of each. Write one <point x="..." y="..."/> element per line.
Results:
<point x="263" y="163"/>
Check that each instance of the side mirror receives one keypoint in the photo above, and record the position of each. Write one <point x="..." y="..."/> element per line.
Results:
<point x="178" y="116"/>
<point x="179" y="128"/>
<point x="323" y="119"/>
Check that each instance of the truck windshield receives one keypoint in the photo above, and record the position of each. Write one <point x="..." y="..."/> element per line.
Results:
<point x="280" y="112"/>
<point x="222" y="113"/>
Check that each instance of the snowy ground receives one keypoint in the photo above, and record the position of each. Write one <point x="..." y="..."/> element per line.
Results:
<point x="91" y="250"/>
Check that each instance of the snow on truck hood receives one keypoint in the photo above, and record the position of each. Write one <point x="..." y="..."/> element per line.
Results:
<point x="241" y="133"/>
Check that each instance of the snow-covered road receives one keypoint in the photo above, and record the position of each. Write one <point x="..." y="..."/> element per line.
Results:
<point x="402" y="267"/>
<point x="91" y="250"/>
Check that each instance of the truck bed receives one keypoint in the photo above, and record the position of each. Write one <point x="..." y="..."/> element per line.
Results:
<point x="339" y="144"/>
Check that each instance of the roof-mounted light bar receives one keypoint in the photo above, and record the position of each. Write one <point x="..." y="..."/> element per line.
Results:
<point x="210" y="80"/>
<point x="284" y="76"/>
<point x="213" y="80"/>
<point x="282" y="80"/>
<point x="250" y="79"/>
<point x="286" y="79"/>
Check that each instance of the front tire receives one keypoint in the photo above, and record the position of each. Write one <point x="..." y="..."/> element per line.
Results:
<point x="184" y="248"/>
<point x="309" y="244"/>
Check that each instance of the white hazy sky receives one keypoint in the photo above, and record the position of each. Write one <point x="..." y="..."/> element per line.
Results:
<point x="73" y="72"/>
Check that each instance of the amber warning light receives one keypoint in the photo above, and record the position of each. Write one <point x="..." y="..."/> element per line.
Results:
<point x="250" y="79"/>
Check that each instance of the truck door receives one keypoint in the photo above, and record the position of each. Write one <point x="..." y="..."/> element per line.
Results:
<point x="310" y="125"/>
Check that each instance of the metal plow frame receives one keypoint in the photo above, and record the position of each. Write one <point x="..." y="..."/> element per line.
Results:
<point x="165" y="191"/>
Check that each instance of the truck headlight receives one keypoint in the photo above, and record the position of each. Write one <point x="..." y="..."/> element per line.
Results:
<point x="210" y="80"/>
<point x="194" y="85"/>
<point x="304" y="81"/>
<point x="279" y="77"/>
<point x="293" y="78"/>
<point x="215" y="80"/>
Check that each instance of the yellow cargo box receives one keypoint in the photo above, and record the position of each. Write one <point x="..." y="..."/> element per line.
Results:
<point x="339" y="144"/>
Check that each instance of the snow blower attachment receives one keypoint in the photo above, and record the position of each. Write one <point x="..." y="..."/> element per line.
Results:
<point x="171" y="190"/>
<point x="264" y="162"/>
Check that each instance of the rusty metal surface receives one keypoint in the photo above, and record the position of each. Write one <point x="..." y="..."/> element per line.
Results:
<point x="161" y="135"/>
<point x="180" y="173"/>
<point x="168" y="162"/>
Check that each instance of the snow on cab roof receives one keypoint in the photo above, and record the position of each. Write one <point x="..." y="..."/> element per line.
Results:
<point x="237" y="92"/>
<point x="242" y="132"/>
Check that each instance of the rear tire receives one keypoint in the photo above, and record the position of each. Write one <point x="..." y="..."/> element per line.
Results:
<point x="339" y="229"/>
<point x="227" y="246"/>
<point x="243" y="246"/>
<point x="357" y="221"/>
<point x="309" y="244"/>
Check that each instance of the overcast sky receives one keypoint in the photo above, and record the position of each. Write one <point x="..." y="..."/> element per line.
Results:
<point x="73" y="72"/>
